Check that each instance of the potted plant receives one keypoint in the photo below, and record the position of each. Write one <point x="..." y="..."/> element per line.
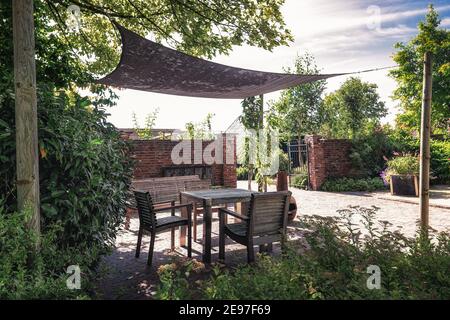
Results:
<point x="282" y="182"/>
<point x="283" y="168"/>
<point x="402" y="174"/>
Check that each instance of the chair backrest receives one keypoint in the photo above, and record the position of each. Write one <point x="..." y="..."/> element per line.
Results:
<point x="268" y="213"/>
<point x="145" y="208"/>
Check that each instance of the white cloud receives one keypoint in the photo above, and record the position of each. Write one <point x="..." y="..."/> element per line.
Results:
<point x="445" y="22"/>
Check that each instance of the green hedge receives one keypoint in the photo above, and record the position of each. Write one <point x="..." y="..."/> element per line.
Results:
<point x="353" y="184"/>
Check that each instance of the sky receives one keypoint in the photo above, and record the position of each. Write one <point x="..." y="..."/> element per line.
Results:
<point x="343" y="35"/>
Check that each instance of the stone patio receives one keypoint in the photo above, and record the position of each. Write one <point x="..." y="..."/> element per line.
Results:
<point x="125" y="277"/>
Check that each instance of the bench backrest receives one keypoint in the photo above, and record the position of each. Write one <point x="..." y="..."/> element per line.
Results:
<point x="168" y="189"/>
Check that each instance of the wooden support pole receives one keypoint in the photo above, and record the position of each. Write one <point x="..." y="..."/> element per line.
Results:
<point x="424" y="177"/>
<point x="262" y="185"/>
<point x="27" y="161"/>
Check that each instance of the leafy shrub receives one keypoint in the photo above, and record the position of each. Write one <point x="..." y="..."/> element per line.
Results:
<point x="331" y="263"/>
<point x="407" y="164"/>
<point x="299" y="177"/>
<point x="283" y="162"/>
<point x="299" y="181"/>
<point x="242" y="173"/>
<point x="27" y="273"/>
<point x="353" y="184"/>
<point x="369" y="151"/>
<point x="84" y="168"/>
<point x="440" y="154"/>
<point x="440" y="161"/>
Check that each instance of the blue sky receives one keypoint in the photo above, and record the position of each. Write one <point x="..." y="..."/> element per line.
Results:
<point x="344" y="36"/>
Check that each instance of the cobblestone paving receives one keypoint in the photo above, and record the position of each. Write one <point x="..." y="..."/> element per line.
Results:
<point x="125" y="277"/>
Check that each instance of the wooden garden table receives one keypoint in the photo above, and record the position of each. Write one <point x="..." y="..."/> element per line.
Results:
<point x="207" y="199"/>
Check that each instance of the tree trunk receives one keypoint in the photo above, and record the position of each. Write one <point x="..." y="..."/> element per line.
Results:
<point x="27" y="161"/>
<point x="262" y="183"/>
<point x="250" y="176"/>
<point x="424" y="179"/>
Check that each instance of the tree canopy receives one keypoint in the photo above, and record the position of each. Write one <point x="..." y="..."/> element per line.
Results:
<point x="409" y="74"/>
<point x="298" y="111"/>
<point x="200" y="27"/>
<point x="350" y="108"/>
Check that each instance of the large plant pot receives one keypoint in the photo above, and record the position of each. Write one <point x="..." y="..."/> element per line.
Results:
<point x="282" y="185"/>
<point x="282" y="181"/>
<point x="292" y="209"/>
<point x="404" y="185"/>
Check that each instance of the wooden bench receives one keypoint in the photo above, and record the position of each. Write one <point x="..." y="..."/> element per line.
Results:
<point x="165" y="191"/>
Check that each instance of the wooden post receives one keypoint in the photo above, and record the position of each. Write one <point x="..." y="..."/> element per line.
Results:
<point x="27" y="161"/>
<point x="262" y="185"/>
<point x="425" y="142"/>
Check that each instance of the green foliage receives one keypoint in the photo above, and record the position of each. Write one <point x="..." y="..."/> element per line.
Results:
<point x="439" y="149"/>
<point x="440" y="161"/>
<point x="283" y="161"/>
<point x="348" y="110"/>
<point x="299" y="181"/>
<point x="199" y="28"/>
<point x="409" y="58"/>
<point x="173" y="277"/>
<point x="85" y="171"/>
<point x="145" y="133"/>
<point x="331" y="261"/>
<point x="27" y="273"/>
<point x="251" y="113"/>
<point x="407" y="164"/>
<point x="298" y="111"/>
<point x="370" y="150"/>
<point x="299" y="177"/>
<point x="201" y="130"/>
<point x="353" y="184"/>
<point x="242" y="173"/>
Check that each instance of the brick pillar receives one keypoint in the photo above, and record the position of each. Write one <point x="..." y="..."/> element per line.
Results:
<point x="317" y="161"/>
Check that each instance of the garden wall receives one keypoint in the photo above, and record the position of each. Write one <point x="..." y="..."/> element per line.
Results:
<point x="152" y="156"/>
<point x="328" y="158"/>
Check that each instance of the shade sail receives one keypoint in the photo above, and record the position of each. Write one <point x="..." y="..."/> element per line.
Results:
<point x="148" y="66"/>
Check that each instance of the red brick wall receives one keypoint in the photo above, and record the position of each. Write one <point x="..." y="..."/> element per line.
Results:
<point x="328" y="158"/>
<point x="152" y="155"/>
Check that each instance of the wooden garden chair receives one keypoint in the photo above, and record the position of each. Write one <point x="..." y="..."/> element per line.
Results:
<point x="148" y="221"/>
<point x="265" y="223"/>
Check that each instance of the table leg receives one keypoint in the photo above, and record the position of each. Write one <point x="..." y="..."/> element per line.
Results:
<point x="183" y="228"/>
<point x="207" y="217"/>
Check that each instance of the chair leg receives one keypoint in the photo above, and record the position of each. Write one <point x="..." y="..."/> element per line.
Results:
<point x="150" y="250"/>
<point x="195" y="225"/>
<point x="189" y="240"/>
<point x="250" y="252"/>
<point x="172" y="239"/>
<point x="189" y="233"/>
<point x="139" y="241"/>
<point x="172" y="231"/>
<point x="221" y="237"/>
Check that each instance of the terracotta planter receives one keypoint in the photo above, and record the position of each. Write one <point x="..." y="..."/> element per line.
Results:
<point x="292" y="209"/>
<point x="282" y="181"/>
<point x="404" y="185"/>
<point x="282" y="185"/>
